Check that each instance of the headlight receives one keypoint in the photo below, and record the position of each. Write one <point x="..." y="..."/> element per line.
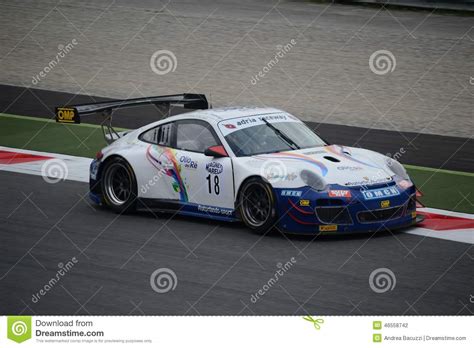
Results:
<point x="397" y="168"/>
<point x="313" y="180"/>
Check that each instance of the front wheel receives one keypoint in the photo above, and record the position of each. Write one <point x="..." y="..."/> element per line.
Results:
<point x="119" y="186"/>
<point x="257" y="205"/>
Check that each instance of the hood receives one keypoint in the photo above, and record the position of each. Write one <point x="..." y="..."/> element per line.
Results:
<point x="341" y="165"/>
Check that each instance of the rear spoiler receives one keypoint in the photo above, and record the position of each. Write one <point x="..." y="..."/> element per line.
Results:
<point x="73" y="113"/>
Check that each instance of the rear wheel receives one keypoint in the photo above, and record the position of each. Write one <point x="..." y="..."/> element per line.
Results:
<point x="119" y="186"/>
<point x="257" y="205"/>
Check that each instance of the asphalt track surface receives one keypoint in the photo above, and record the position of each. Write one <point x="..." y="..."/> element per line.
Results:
<point x="220" y="46"/>
<point x="218" y="266"/>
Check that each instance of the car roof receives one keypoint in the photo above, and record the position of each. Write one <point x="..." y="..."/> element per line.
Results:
<point x="220" y="114"/>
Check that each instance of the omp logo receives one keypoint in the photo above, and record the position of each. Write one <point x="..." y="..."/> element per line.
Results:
<point x="65" y="115"/>
<point x="19" y="328"/>
<point x="304" y="202"/>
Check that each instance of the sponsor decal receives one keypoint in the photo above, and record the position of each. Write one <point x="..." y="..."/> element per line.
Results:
<point x="327" y="228"/>
<point x="380" y="193"/>
<point x="230" y="126"/>
<point x="340" y="193"/>
<point x="413" y="214"/>
<point x="385" y="204"/>
<point x="367" y="181"/>
<point x="214" y="167"/>
<point x="65" y="115"/>
<point x="246" y="121"/>
<point x="215" y="210"/>
<point x="313" y="152"/>
<point x="291" y="193"/>
<point x="276" y="176"/>
<point x="350" y="168"/>
<point x="188" y="162"/>
<point x="304" y="202"/>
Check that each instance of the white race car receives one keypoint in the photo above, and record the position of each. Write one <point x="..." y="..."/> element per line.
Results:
<point x="262" y="166"/>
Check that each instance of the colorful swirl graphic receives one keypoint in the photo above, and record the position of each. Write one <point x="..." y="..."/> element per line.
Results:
<point x="298" y="157"/>
<point x="339" y="150"/>
<point x="171" y="169"/>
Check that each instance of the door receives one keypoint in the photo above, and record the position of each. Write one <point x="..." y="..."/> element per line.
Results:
<point x="206" y="181"/>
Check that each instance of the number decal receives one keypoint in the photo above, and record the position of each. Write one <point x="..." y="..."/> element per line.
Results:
<point x="216" y="185"/>
<point x="217" y="188"/>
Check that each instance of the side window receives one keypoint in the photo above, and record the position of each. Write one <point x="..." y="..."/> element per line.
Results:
<point x="195" y="136"/>
<point x="160" y="135"/>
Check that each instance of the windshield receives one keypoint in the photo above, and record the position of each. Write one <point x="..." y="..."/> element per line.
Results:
<point x="272" y="137"/>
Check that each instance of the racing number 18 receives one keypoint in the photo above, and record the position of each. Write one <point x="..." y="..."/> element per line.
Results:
<point x="216" y="184"/>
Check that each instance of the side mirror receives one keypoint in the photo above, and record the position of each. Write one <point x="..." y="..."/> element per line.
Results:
<point x="216" y="151"/>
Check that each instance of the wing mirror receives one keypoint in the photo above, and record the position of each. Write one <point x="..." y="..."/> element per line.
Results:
<point x="216" y="151"/>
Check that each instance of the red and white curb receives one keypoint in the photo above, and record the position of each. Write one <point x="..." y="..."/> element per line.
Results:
<point x="442" y="224"/>
<point x="52" y="166"/>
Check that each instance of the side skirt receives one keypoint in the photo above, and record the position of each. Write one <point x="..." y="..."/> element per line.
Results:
<point x="185" y="208"/>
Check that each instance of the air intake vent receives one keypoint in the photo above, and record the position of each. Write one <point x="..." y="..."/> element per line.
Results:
<point x="332" y="159"/>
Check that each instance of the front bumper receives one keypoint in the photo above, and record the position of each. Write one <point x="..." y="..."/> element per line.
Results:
<point x="341" y="209"/>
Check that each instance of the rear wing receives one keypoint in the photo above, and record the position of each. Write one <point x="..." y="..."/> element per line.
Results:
<point x="73" y="113"/>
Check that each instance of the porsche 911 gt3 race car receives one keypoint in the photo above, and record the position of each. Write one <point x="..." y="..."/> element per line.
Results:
<point x="262" y="166"/>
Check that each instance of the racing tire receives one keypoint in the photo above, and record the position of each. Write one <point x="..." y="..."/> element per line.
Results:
<point x="256" y="205"/>
<point x="119" y="186"/>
